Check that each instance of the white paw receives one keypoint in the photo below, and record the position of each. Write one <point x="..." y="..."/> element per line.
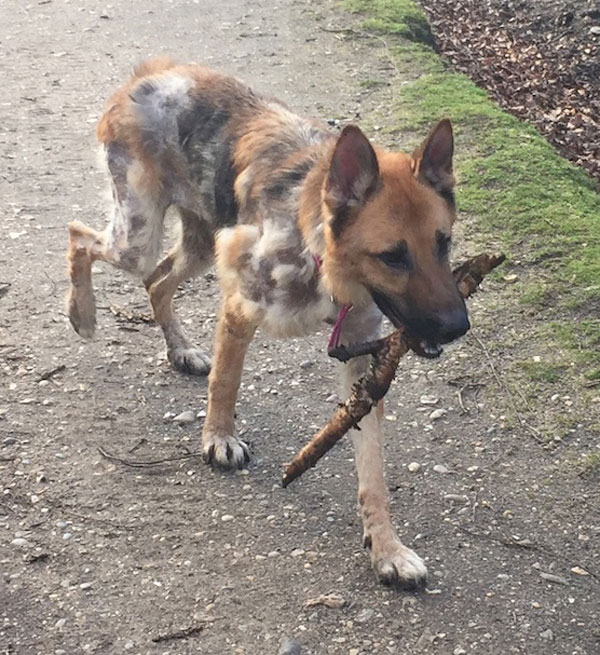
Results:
<point x="396" y="565"/>
<point x="81" y="308"/>
<point x="190" y="360"/>
<point x="225" y="451"/>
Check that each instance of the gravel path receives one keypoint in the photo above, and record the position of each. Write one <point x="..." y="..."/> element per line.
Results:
<point x="96" y="557"/>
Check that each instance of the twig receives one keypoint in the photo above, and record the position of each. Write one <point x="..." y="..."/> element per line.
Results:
<point x="370" y="389"/>
<point x="52" y="372"/>
<point x="178" y="634"/>
<point x="365" y="35"/>
<point x="535" y="432"/>
<point x="148" y="463"/>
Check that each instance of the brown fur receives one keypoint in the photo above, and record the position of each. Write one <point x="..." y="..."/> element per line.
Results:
<point x="311" y="221"/>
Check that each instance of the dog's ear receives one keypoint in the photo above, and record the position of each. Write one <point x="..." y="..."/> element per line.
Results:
<point x="353" y="173"/>
<point x="433" y="160"/>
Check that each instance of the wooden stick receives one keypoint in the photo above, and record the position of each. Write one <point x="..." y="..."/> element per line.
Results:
<point x="371" y="388"/>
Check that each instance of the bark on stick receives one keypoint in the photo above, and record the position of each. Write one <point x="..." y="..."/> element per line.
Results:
<point x="371" y="388"/>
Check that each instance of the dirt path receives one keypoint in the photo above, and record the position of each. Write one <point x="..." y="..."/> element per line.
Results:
<point x="99" y="558"/>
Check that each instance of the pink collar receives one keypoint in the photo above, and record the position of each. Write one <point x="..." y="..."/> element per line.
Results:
<point x="334" y="339"/>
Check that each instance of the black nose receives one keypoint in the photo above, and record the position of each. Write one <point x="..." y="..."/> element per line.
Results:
<point x="453" y="324"/>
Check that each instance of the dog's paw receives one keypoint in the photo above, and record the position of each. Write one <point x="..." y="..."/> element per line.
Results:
<point x="192" y="361"/>
<point x="225" y="451"/>
<point x="396" y="565"/>
<point x="81" y="309"/>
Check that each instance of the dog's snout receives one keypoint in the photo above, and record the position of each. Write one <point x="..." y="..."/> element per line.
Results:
<point x="454" y="324"/>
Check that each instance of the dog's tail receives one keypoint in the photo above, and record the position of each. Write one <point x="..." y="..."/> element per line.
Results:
<point x="113" y="121"/>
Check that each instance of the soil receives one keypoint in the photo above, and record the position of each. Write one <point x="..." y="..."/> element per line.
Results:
<point x="98" y="557"/>
<point x="539" y="60"/>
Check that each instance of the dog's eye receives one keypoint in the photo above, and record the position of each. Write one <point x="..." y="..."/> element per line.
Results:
<point x="397" y="258"/>
<point x="443" y="245"/>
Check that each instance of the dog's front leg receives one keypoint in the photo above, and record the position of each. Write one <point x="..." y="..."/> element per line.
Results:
<point x="219" y="444"/>
<point x="393" y="562"/>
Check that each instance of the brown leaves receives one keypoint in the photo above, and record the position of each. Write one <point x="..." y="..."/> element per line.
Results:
<point x="537" y="60"/>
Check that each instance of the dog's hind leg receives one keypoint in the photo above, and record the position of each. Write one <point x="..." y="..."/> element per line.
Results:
<point x="131" y="241"/>
<point x="191" y="255"/>
<point x="392" y="561"/>
<point x="85" y="246"/>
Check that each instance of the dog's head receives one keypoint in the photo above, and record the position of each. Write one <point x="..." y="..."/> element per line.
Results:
<point x="388" y="231"/>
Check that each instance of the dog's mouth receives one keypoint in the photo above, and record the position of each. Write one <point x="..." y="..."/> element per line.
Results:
<point x="420" y="345"/>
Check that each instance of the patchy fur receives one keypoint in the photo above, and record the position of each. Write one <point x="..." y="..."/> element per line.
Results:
<point x="302" y="222"/>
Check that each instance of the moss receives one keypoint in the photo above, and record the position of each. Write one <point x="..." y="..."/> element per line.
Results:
<point x="399" y="17"/>
<point x="518" y="190"/>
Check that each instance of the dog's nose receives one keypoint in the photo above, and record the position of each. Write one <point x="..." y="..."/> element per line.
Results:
<point x="454" y="324"/>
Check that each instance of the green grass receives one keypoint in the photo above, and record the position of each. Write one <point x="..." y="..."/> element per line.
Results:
<point x="520" y="192"/>
<point x="400" y="17"/>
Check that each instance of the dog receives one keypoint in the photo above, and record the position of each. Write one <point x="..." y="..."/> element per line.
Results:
<point x="302" y="223"/>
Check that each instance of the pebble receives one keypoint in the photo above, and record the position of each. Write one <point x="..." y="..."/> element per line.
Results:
<point x="438" y="413"/>
<point x="550" y="577"/>
<point x="297" y="552"/>
<point x="332" y="399"/>
<point x="185" y="417"/>
<point x="413" y="467"/>
<point x="201" y="414"/>
<point x="577" y="570"/>
<point x="440" y="468"/>
<point x="459" y="650"/>
<point x="547" y="634"/>
<point x="428" y="400"/>
<point x="595" y="30"/>
<point x="9" y="441"/>
<point x="289" y="646"/>
<point x="85" y="585"/>
<point x="226" y="518"/>
<point x="307" y="363"/>
<point x="365" y="615"/>
<point x="19" y="542"/>
<point x="60" y="623"/>
<point x="456" y="498"/>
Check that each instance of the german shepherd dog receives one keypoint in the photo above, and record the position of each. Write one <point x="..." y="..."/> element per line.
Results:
<point x="301" y="223"/>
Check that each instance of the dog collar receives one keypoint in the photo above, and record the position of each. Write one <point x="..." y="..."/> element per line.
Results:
<point x="334" y="339"/>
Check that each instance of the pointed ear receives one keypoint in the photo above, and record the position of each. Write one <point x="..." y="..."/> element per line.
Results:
<point x="353" y="172"/>
<point x="434" y="159"/>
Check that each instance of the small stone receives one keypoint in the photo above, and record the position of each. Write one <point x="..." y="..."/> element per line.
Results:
<point x="85" y="585"/>
<point x="577" y="570"/>
<point x="595" y="30"/>
<point x="297" y="552"/>
<point x="273" y="553"/>
<point x="20" y="542"/>
<point x="440" y="468"/>
<point x="201" y="414"/>
<point x="226" y="518"/>
<point x="332" y="399"/>
<point x="547" y="634"/>
<point x="459" y="650"/>
<point x="60" y="623"/>
<point x="429" y="400"/>
<point x="289" y="646"/>
<point x="437" y="414"/>
<point x="456" y="498"/>
<point x="9" y="441"/>
<point x="413" y="467"/>
<point x="550" y="577"/>
<point x="365" y="615"/>
<point x="185" y="417"/>
<point x="307" y="363"/>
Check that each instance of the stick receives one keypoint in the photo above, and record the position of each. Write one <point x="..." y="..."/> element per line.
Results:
<point x="371" y="388"/>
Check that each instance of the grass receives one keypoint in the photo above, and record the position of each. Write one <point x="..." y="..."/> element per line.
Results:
<point x="521" y="194"/>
